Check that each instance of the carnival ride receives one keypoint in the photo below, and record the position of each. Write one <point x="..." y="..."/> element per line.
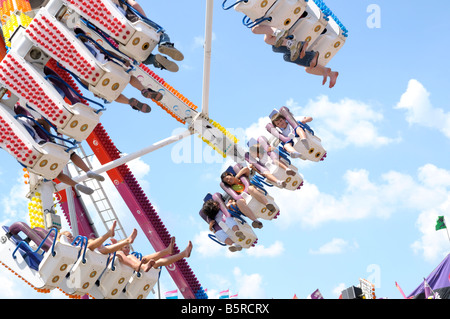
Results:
<point x="42" y="66"/>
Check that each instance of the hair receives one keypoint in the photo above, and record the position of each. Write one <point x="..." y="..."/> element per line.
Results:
<point x="276" y="117"/>
<point x="225" y="174"/>
<point x="211" y="208"/>
<point x="63" y="233"/>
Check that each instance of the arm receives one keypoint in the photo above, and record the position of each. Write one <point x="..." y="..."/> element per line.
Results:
<point x="243" y="172"/>
<point x="137" y="7"/>
<point x="272" y="130"/>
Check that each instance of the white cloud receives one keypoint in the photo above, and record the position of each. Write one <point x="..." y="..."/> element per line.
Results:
<point x="338" y="289"/>
<point x="433" y="244"/>
<point x="199" y="41"/>
<point x="205" y="246"/>
<point x="274" y="250"/>
<point x="335" y="246"/>
<point x="14" y="204"/>
<point x="249" y="286"/>
<point x="344" y="123"/>
<point x="419" y="109"/>
<point x="338" y="124"/>
<point x="362" y="198"/>
<point x="9" y="285"/>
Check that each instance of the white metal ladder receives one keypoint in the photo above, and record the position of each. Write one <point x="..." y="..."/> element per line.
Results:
<point x="99" y="198"/>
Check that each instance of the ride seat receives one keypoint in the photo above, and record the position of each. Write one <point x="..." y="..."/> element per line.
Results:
<point x="114" y="279"/>
<point x="58" y="262"/>
<point x="141" y="283"/>
<point x="46" y="160"/>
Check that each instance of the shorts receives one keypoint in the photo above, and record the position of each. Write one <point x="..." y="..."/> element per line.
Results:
<point x="221" y="234"/>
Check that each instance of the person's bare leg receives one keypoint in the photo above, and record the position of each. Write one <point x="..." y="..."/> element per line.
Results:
<point x="300" y="132"/>
<point x="162" y="253"/>
<point x="303" y="50"/>
<point x="78" y="161"/>
<point x="292" y="151"/>
<point x="97" y="242"/>
<point x="280" y="164"/>
<point x="325" y="73"/>
<point x="306" y="119"/>
<point x="257" y="195"/>
<point x="129" y="260"/>
<point x="136" y="83"/>
<point x="137" y="7"/>
<point x="122" y="99"/>
<point x="268" y="31"/>
<point x="242" y="205"/>
<point x="118" y="245"/>
<point x="63" y="178"/>
<point x="186" y="253"/>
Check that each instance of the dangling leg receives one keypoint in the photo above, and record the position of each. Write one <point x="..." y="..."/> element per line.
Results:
<point x="291" y="150"/>
<point x="272" y="36"/>
<point x="137" y="7"/>
<point x="242" y="205"/>
<point x="325" y="73"/>
<point x="134" y="103"/>
<point x="146" y="92"/>
<point x="78" y="161"/>
<point x="63" y="178"/>
<point x="257" y="195"/>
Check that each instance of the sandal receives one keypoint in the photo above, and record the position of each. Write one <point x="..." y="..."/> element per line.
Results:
<point x="150" y="94"/>
<point x="142" y="107"/>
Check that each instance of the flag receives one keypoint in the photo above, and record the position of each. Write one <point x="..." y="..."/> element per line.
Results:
<point x="234" y="296"/>
<point x="400" y="289"/>
<point x="225" y="294"/>
<point x="429" y="294"/>
<point x="440" y="223"/>
<point x="172" y="294"/>
<point x="315" y="295"/>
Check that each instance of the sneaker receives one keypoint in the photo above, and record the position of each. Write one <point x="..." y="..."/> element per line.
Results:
<point x="163" y="63"/>
<point x="291" y="136"/>
<point x="281" y="184"/>
<point x="169" y="49"/>
<point x="305" y="143"/>
<point x="233" y="248"/>
<point x="95" y="176"/>
<point x="84" y="189"/>
<point x="290" y="172"/>
<point x="257" y="224"/>
<point x="297" y="155"/>
<point x="280" y="35"/>
<point x="295" y="48"/>
<point x="240" y="235"/>
<point x="271" y="207"/>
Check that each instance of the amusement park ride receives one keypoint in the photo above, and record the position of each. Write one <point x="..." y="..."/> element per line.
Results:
<point x="42" y="59"/>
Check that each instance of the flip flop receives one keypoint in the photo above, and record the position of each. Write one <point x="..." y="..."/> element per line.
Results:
<point x="151" y="94"/>
<point x="142" y="107"/>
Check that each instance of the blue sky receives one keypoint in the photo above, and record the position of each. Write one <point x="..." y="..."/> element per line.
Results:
<point x="367" y="211"/>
